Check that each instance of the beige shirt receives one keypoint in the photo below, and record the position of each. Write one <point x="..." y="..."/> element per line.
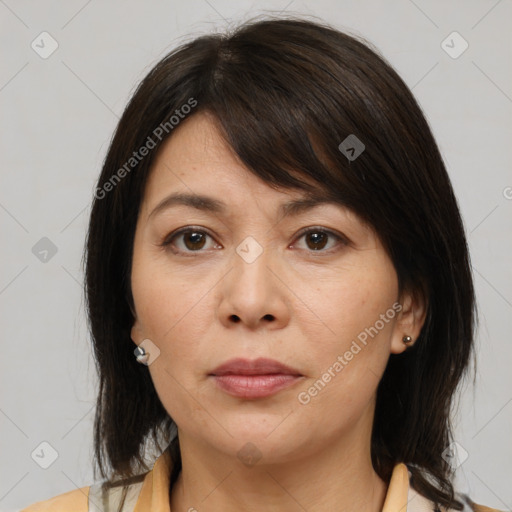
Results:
<point x="151" y="494"/>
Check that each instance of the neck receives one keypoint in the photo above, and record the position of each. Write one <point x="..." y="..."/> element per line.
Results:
<point x="340" y="477"/>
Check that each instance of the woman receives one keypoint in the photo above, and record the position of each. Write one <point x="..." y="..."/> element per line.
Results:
<point x="275" y="234"/>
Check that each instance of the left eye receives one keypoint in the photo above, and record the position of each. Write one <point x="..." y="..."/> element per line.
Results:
<point x="317" y="239"/>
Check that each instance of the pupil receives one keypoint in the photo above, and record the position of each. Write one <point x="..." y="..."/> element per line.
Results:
<point x="195" y="239"/>
<point x="318" y="238"/>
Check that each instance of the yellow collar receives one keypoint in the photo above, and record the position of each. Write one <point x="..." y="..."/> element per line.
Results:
<point x="154" y="494"/>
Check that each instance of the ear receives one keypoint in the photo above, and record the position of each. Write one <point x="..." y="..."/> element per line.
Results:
<point x="410" y="320"/>
<point x="136" y="332"/>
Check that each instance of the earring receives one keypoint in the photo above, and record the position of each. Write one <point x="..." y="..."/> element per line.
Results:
<point x="141" y="355"/>
<point x="406" y="340"/>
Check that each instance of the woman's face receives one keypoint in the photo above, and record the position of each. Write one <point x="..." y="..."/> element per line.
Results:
<point x="245" y="281"/>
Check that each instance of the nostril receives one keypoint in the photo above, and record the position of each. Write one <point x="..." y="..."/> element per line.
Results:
<point x="235" y="319"/>
<point x="269" y="317"/>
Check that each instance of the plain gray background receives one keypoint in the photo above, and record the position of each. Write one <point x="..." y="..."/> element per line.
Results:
<point x="57" y="116"/>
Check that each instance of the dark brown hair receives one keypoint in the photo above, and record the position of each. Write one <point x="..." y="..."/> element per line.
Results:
<point x="285" y="93"/>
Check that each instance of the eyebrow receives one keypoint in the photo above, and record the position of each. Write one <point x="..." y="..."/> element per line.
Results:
<point x="210" y="204"/>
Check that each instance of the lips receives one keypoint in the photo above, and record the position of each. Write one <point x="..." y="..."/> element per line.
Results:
<point x="259" y="378"/>
<point x="261" y="366"/>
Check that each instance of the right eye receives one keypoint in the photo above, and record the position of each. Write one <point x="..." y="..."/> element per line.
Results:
<point x="187" y="240"/>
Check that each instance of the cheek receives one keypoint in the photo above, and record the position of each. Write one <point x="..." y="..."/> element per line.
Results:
<point x="176" y="317"/>
<point x="176" y="312"/>
<point x="351" y="301"/>
<point x="351" y="347"/>
<point x="164" y="295"/>
<point x="172" y="313"/>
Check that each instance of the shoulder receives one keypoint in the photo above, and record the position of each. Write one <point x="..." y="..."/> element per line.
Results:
<point x="483" y="508"/>
<point x="108" y="496"/>
<point x="416" y="502"/>
<point x="72" y="501"/>
<point x="471" y="506"/>
<point x="100" y="497"/>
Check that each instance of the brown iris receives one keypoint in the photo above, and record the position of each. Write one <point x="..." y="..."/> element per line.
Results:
<point x="319" y="240"/>
<point x="194" y="240"/>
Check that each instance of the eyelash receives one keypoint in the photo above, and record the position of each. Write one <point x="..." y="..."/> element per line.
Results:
<point x="168" y="241"/>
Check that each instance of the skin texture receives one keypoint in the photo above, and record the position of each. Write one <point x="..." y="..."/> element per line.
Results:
<point x="301" y="306"/>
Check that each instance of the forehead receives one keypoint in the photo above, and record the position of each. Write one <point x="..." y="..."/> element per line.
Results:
<point x="197" y="172"/>
<point x="197" y="169"/>
<point x="196" y="162"/>
<point x="195" y="153"/>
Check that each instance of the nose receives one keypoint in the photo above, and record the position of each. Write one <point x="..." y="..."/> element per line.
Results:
<point x="253" y="293"/>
